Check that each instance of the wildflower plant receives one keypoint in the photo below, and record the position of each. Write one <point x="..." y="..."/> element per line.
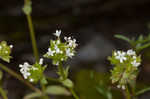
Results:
<point x="60" y="51"/>
<point x="125" y="67"/>
<point x="125" y="71"/>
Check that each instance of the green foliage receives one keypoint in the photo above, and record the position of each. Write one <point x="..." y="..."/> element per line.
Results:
<point x="33" y="95"/>
<point x="57" y="90"/>
<point x="137" y="44"/>
<point x="68" y="83"/>
<point x="96" y="86"/>
<point x="5" y="51"/>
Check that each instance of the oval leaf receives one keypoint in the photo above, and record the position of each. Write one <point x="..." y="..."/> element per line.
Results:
<point x="57" y="90"/>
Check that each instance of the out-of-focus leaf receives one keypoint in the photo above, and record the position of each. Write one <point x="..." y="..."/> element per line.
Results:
<point x="106" y="93"/>
<point x="57" y="90"/>
<point x="122" y="37"/>
<point x="143" y="47"/>
<point x="68" y="83"/>
<point x="44" y="81"/>
<point x="142" y="87"/>
<point x="33" y="95"/>
<point x="85" y="86"/>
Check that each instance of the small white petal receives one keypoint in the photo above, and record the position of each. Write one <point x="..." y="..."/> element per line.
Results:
<point x="11" y="46"/>
<point x="31" y="80"/>
<point x="41" y="61"/>
<point x="58" y="32"/>
<point x="123" y="87"/>
<point x="0" y="47"/>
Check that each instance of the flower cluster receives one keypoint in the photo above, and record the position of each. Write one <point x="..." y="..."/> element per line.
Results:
<point x="5" y="51"/>
<point x="60" y="51"/>
<point x="33" y="73"/>
<point x="126" y="67"/>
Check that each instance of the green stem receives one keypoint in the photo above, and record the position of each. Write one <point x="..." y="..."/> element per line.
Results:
<point x="74" y="94"/>
<point x="32" y="35"/>
<point x="143" y="91"/>
<point x="19" y="77"/>
<point x="3" y="93"/>
<point x="61" y="71"/>
<point x="128" y="96"/>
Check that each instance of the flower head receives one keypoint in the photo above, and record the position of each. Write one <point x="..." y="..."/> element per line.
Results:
<point x="34" y="72"/>
<point x="125" y="69"/>
<point x="60" y="51"/>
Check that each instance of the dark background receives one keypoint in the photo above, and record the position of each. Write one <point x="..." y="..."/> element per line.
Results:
<point x="92" y="22"/>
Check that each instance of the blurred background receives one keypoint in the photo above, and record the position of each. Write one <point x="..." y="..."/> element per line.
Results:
<point x="92" y="22"/>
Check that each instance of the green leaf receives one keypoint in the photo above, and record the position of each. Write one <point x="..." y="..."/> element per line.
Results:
<point x="66" y="71"/>
<point x="33" y="95"/>
<point x="140" y="38"/>
<point x="104" y="90"/>
<point x="57" y="90"/>
<point x="139" y="48"/>
<point x="85" y="85"/>
<point x="122" y="37"/>
<point x="6" y="58"/>
<point x="44" y="81"/>
<point x="68" y="83"/>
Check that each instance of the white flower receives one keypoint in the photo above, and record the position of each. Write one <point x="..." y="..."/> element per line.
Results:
<point x="69" y="53"/>
<point x="123" y="87"/>
<point x="135" y="64"/>
<point x="134" y="57"/>
<point x="118" y="86"/>
<point x="57" y="63"/>
<point x="0" y="47"/>
<point x="57" y="50"/>
<point x="11" y="46"/>
<point x="25" y="69"/>
<point x="131" y="52"/>
<point x="31" y="80"/>
<point x="41" y="61"/>
<point x="58" y="42"/>
<point x="71" y="43"/>
<point x="58" y="32"/>
<point x="121" y="56"/>
<point x="50" y="52"/>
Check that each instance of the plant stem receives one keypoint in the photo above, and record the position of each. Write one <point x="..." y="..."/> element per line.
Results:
<point x="74" y="94"/>
<point x="19" y="77"/>
<point x="128" y="96"/>
<point x="32" y="35"/>
<point x="143" y="91"/>
<point x="3" y="93"/>
<point x="61" y="71"/>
